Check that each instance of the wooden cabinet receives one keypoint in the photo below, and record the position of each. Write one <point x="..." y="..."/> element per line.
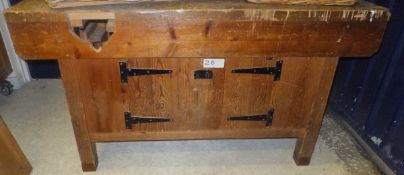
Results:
<point x="198" y="108"/>
<point x="147" y="78"/>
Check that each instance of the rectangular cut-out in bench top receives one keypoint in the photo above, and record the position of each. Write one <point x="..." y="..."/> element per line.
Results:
<point x="200" y="29"/>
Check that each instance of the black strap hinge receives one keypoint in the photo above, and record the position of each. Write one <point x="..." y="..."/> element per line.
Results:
<point x="276" y="71"/>
<point x="125" y="71"/>
<point x="265" y="117"/>
<point x="130" y="120"/>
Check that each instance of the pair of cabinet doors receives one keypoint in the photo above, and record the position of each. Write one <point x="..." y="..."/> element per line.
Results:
<point x="180" y="94"/>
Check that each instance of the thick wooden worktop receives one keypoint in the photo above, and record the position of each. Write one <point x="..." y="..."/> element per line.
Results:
<point x="201" y="29"/>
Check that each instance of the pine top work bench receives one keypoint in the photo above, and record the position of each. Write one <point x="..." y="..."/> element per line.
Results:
<point x="188" y="69"/>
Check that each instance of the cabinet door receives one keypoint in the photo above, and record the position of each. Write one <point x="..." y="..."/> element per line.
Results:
<point x="248" y="93"/>
<point x="5" y="67"/>
<point x="191" y="103"/>
<point x="252" y="94"/>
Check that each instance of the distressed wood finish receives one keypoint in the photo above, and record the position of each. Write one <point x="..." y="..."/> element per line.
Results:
<point x="81" y="3"/>
<point x="202" y="29"/>
<point x="5" y="66"/>
<point x="12" y="159"/>
<point x="178" y="36"/>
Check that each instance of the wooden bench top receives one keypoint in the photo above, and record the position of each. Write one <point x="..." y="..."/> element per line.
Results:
<point x="200" y="29"/>
<point x="31" y="6"/>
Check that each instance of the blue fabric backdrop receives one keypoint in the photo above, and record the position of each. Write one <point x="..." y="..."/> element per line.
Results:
<point x="370" y="92"/>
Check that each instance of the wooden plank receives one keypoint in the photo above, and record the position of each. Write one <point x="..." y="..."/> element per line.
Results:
<point x="103" y="95"/>
<point x="198" y="135"/>
<point x="81" y="3"/>
<point x="203" y="29"/>
<point x="75" y="15"/>
<point x="194" y="5"/>
<point x="12" y="159"/>
<point x="86" y="147"/>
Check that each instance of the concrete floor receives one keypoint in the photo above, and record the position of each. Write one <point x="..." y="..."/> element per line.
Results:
<point x="38" y="117"/>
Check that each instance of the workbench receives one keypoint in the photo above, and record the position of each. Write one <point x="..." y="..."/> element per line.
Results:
<point x="207" y="69"/>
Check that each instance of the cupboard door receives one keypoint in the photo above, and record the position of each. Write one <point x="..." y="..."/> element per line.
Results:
<point x="153" y="95"/>
<point x="248" y="93"/>
<point x="191" y="103"/>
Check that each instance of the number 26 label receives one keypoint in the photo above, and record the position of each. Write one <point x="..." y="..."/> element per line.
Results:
<point x="213" y="63"/>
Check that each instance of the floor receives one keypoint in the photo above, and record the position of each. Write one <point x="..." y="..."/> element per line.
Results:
<point x="38" y="117"/>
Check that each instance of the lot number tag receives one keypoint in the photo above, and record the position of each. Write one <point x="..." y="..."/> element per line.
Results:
<point x="213" y="63"/>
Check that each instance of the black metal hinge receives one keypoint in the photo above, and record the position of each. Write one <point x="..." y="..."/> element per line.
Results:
<point x="265" y="117"/>
<point x="125" y="71"/>
<point x="130" y="120"/>
<point x="276" y="71"/>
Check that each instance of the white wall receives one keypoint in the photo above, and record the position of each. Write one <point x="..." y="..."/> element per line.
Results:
<point x="20" y="73"/>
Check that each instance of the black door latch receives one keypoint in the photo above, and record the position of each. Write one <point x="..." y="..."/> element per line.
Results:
<point x="203" y="74"/>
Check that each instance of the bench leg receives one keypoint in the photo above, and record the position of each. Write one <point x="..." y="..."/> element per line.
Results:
<point x="89" y="160"/>
<point x="86" y="147"/>
<point x="306" y="143"/>
<point x="304" y="149"/>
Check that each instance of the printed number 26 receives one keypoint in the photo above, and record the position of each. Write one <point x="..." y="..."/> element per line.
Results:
<point x="209" y="62"/>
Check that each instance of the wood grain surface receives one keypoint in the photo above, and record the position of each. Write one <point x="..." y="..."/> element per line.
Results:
<point x="201" y="29"/>
<point x="83" y="3"/>
<point x="12" y="159"/>
<point x="75" y="100"/>
<point x="321" y="89"/>
<point x="197" y="104"/>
